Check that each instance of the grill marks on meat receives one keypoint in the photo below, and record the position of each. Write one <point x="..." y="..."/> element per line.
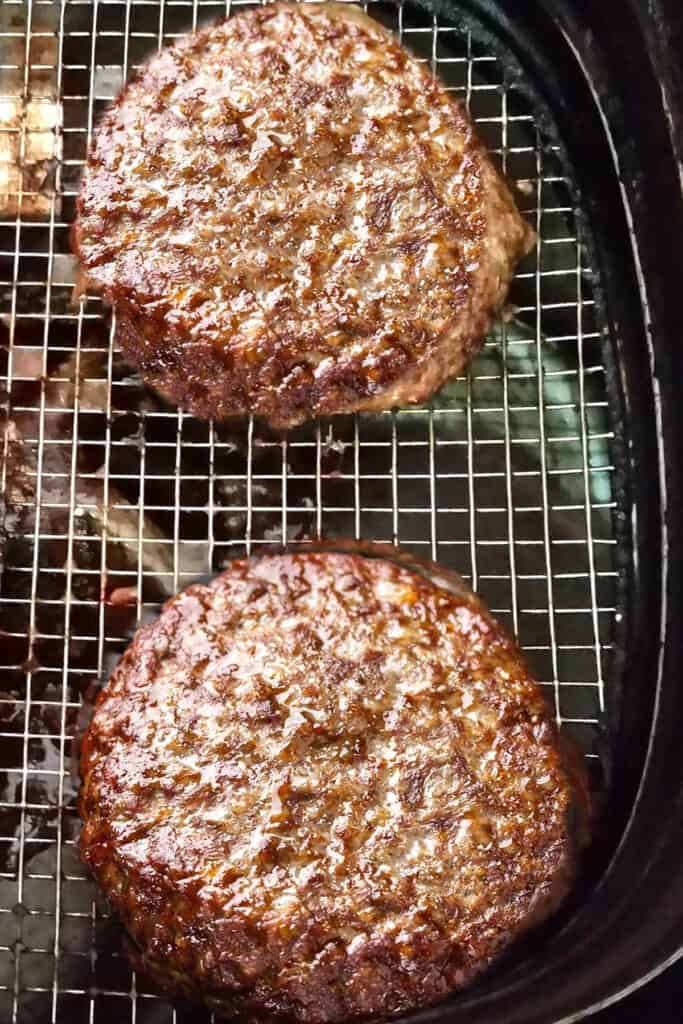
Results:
<point x="291" y="217"/>
<point x="324" y="788"/>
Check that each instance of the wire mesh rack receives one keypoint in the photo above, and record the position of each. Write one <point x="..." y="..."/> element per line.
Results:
<point x="113" y="501"/>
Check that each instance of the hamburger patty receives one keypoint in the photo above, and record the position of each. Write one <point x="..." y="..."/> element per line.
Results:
<point x="291" y="217"/>
<point x="325" y="788"/>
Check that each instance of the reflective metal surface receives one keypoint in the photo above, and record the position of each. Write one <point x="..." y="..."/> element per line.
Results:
<point x="113" y="501"/>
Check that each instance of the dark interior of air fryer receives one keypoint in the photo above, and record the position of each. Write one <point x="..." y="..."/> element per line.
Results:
<point x="114" y="501"/>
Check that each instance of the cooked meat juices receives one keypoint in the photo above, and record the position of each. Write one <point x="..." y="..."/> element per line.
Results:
<point x="323" y="788"/>
<point x="291" y="217"/>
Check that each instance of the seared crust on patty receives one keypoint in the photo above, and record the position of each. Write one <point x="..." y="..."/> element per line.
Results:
<point x="325" y="788"/>
<point x="291" y="217"/>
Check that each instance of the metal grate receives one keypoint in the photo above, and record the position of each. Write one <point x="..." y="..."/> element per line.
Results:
<point x="113" y="501"/>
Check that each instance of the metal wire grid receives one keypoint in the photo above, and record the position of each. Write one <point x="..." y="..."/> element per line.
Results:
<point x="113" y="500"/>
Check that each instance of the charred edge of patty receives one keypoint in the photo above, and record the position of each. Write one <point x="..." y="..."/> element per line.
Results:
<point x="209" y="383"/>
<point x="237" y="998"/>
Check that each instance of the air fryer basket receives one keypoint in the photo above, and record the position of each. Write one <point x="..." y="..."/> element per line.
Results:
<point x="548" y="476"/>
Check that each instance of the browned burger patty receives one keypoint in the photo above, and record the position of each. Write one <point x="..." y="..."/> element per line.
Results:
<point x="290" y="217"/>
<point x="324" y="787"/>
